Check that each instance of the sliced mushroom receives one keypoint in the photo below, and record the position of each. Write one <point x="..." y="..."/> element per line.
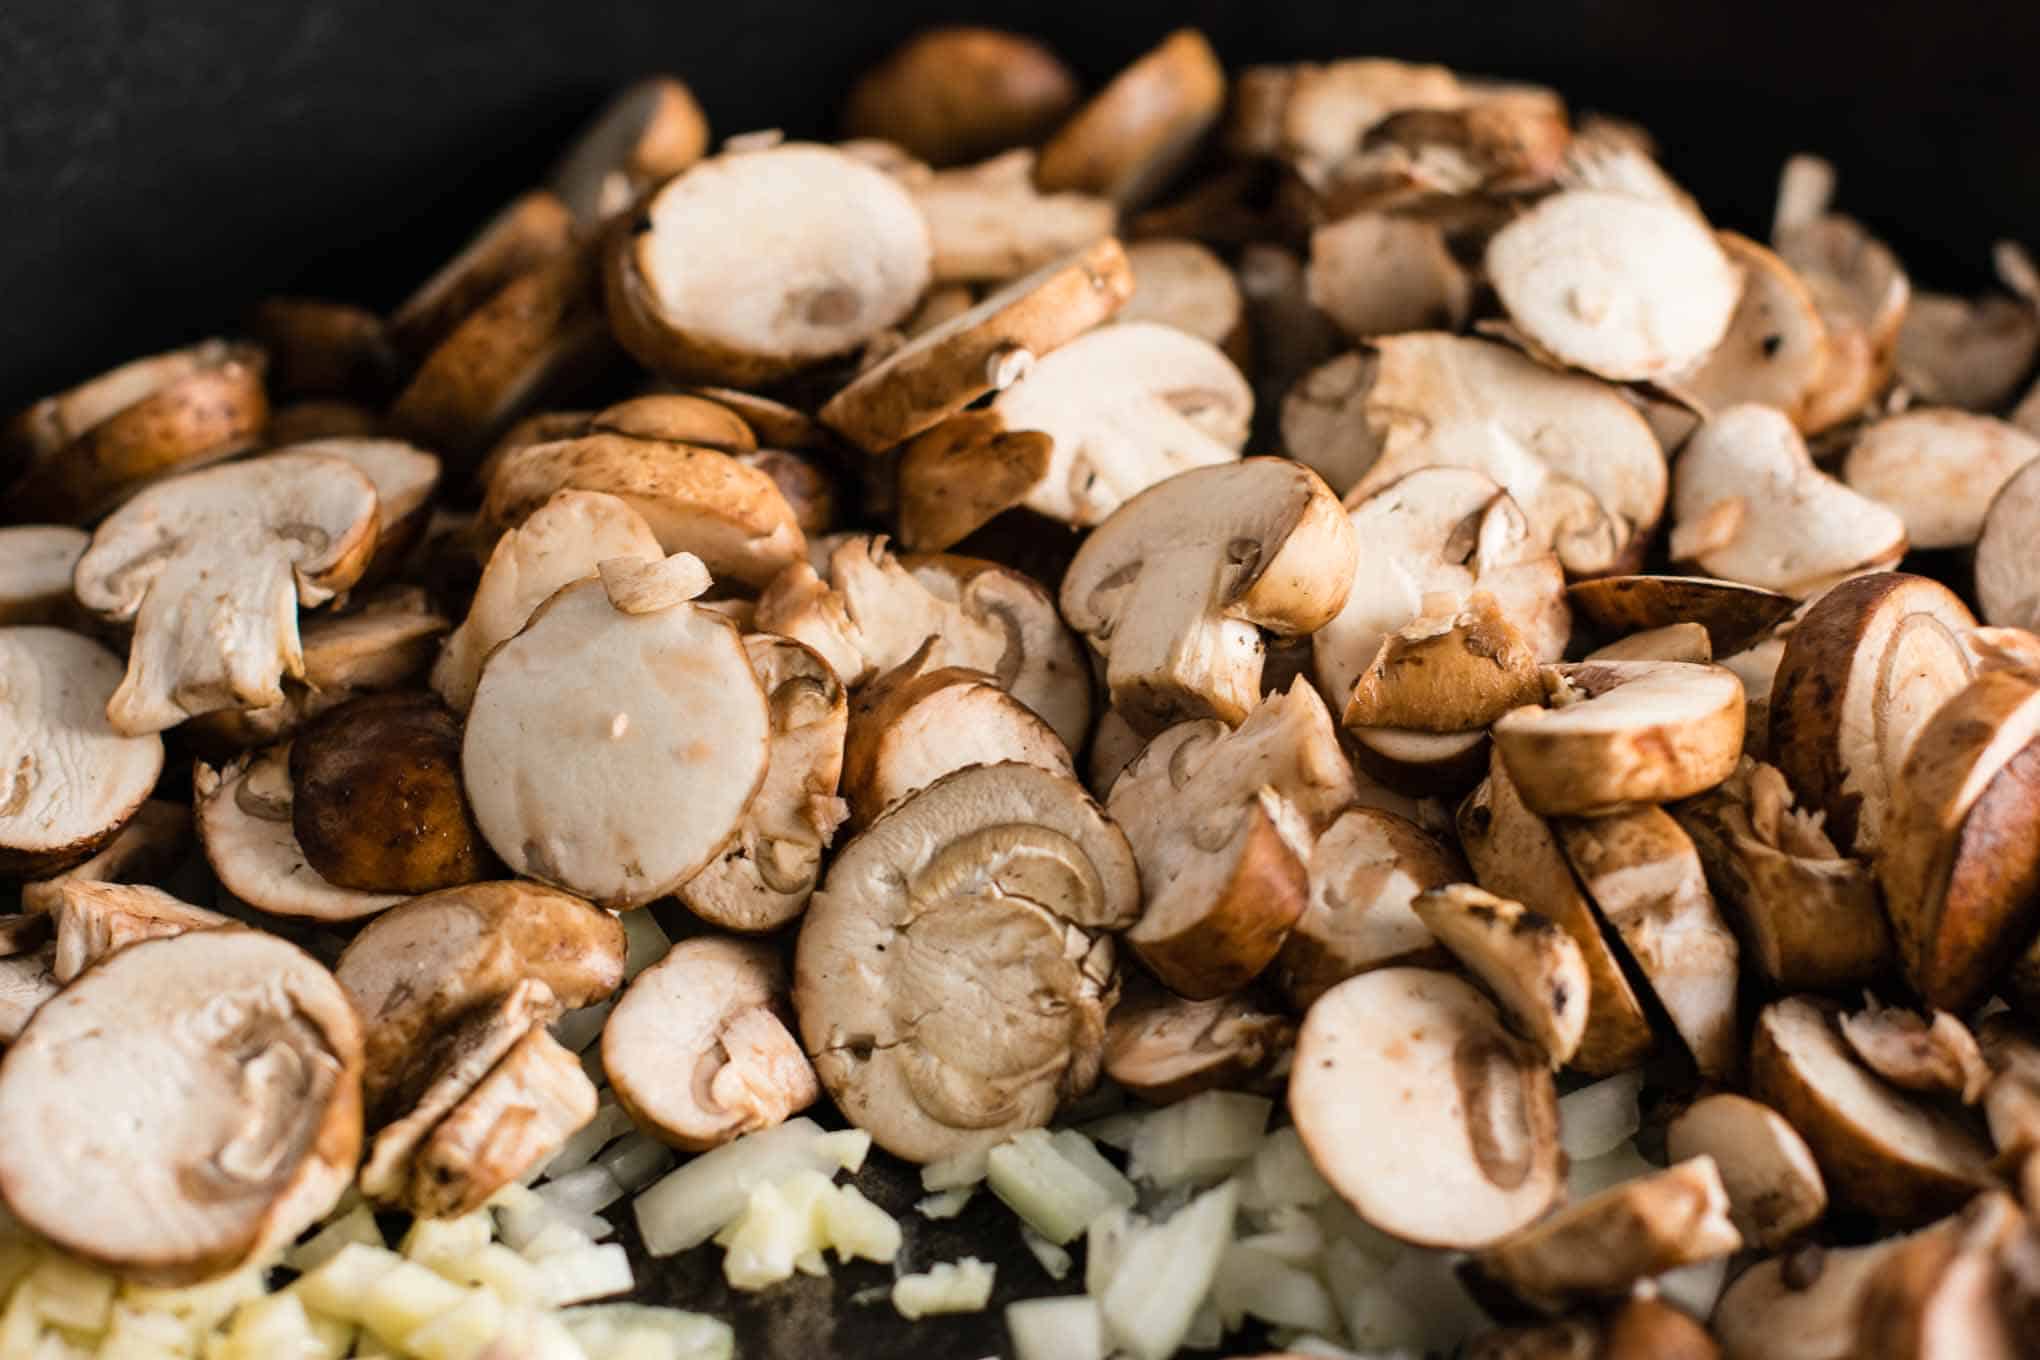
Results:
<point x="1453" y="674"/>
<point x="1532" y="967"/>
<point x="1163" y="1048"/>
<point x="1470" y="1152"/>
<point x="1366" y="871"/>
<point x="27" y="981"/>
<point x="1314" y="115"/>
<point x="1939" y="1058"/>
<point x="320" y="348"/>
<point x="698" y="1048"/>
<point x="1972" y="353"/>
<point x="1375" y="274"/>
<point x="1958" y="852"/>
<point x="1183" y="284"/>
<point x="88" y="449"/>
<point x="1515" y="855"/>
<point x="1944" y="1292"/>
<point x="1683" y="642"/>
<point x="1442" y="763"/>
<point x="404" y="478"/>
<point x="1579" y="460"/>
<point x="1938" y="470"/>
<point x="987" y="348"/>
<point x="1324" y="420"/>
<point x="2007" y="587"/>
<point x="36" y="564"/>
<point x="1131" y="138"/>
<point x="1774" y="1185"/>
<point x="183" y="1108"/>
<point x="988" y="223"/>
<point x="1621" y="733"/>
<point x="649" y="731"/>
<point x="152" y="843"/>
<point x="92" y="920"/>
<point x="1749" y="504"/>
<point x="764" y="876"/>
<point x="1175" y="588"/>
<point x="1124" y="407"/>
<point x="647" y="134"/>
<point x="1733" y="615"/>
<point x="950" y="981"/>
<point x="244" y="817"/>
<point x="514" y="1121"/>
<point x="75" y="778"/>
<point x="1644" y="875"/>
<point x="848" y="256"/>
<point x="1496" y="140"/>
<point x="211" y="568"/>
<point x="536" y="227"/>
<point x="2011" y="1100"/>
<point x="1879" y="1151"/>
<point x="1775" y="352"/>
<point x="1799" y="1306"/>
<point x="955" y="94"/>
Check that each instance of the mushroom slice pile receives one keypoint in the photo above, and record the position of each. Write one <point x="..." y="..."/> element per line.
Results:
<point x="1958" y="853"/>
<point x="1938" y="470"/>
<point x="1624" y="287"/>
<point x="1182" y="284"/>
<point x="846" y="255"/>
<point x="950" y="979"/>
<point x="1775" y="352"/>
<point x="647" y="134"/>
<point x="1365" y="872"/>
<point x="941" y="371"/>
<point x="988" y="223"/>
<point x="1132" y="137"/>
<point x="88" y="449"/>
<point x="1175" y="587"/>
<point x="1374" y="274"/>
<point x="1222" y="825"/>
<point x="613" y="752"/>
<point x="1579" y="460"/>
<point x="1644" y="875"/>
<point x="1748" y="504"/>
<point x="698" y="1049"/>
<point x="1773" y="1183"/>
<point x="1516" y="855"/>
<point x="1534" y="969"/>
<point x="1124" y="407"/>
<point x="532" y="229"/>
<point x="952" y="94"/>
<point x="185" y="1107"/>
<point x="92" y="920"/>
<point x="75" y="778"/>
<point x="36" y="564"/>
<point x="211" y="567"/>
<point x="1164" y="1049"/>
<point x="1603" y="1245"/>
<point x="1435" y="1123"/>
<point x="1972" y="354"/>
<point x="1939" y="1058"/>
<point x="1733" y="614"/>
<point x="153" y="842"/>
<point x="245" y="822"/>
<point x="2007" y="580"/>
<point x="1881" y="1152"/>
<point x="1623" y="732"/>
<point x="764" y="876"/>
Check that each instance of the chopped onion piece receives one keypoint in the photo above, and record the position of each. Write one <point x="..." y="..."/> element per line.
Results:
<point x="1256" y="1283"/>
<point x="589" y="1273"/>
<point x="1417" y="1303"/>
<point x="1053" y="1258"/>
<point x="462" y="1331"/>
<point x="1289" y="1234"/>
<point x="1166" y="1272"/>
<point x="1199" y="1140"/>
<point x="636" y="1160"/>
<point x="1695" y="1288"/>
<point x="1595" y="1120"/>
<point x="1591" y="1177"/>
<point x="963" y="1286"/>
<point x="947" y="1204"/>
<point x="1280" y="1172"/>
<point x="587" y="1191"/>
<point x="953" y="1173"/>
<point x="405" y="1298"/>
<point x="1117" y="1130"/>
<point x="694" y="1201"/>
<point x="1105" y="1245"/>
<point x="1056" y="1329"/>
<point x="512" y="1277"/>
<point x="1051" y="1193"/>
<point x="609" y="1124"/>
<point x="1081" y="1153"/>
<point x="1207" y="1328"/>
<point x="356" y="1225"/>
<point x="71" y="1294"/>
<point x="577" y="1029"/>
<point x="636" y="1330"/>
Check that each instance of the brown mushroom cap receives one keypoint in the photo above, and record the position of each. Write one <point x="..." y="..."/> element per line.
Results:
<point x="1131" y="137"/>
<point x="1938" y="470"/>
<point x="1532" y="967"/>
<point x="1937" y="1058"/>
<point x="698" y="1049"/>
<point x="243" y="812"/>
<point x="184" y="1107"/>
<point x="1734" y="615"/>
<point x="988" y="223"/>
<point x="1773" y="1183"/>
<point x="949" y="984"/>
<point x="2007" y="591"/>
<point x="535" y="227"/>
<point x="321" y="348"/>
<point x="92" y="920"/>
<point x="645" y="135"/>
<point x="515" y="1119"/>
<point x="956" y="94"/>
<point x="36" y="565"/>
<point x="1446" y="675"/>
<point x="1471" y="1153"/>
<point x="1164" y="1049"/>
<point x="1858" y="284"/>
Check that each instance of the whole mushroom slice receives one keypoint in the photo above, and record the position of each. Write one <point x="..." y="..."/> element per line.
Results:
<point x="1775" y="351"/>
<point x="1774" y="1185"/>
<point x="92" y="920"/>
<point x="75" y="779"/>
<point x="1938" y="1057"/>
<point x="1516" y="855"/>
<point x="1938" y="470"/>
<point x="2007" y="586"/>
<point x="648" y="133"/>
<point x="211" y="568"/>
<point x="698" y="1048"/>
<point x="988" y="222"/>
<point x="954" y="94"/>
<point x="1375" y="274"/>
<point x="1862" y="673"/>
<point x="36" y="565"/>
<point x="1125" y="408"/>
<point x="187" y="1106"/>
<point x="1733" y="614"/>
<point x="1324" y="420"/>
<point x="1181" y="283"/>
<point x="1798" y="1306"/>
<point x="1621" y="733"/>
<point x="404" y="477"/>
<point x="1163" y="1048"/>
<point x="1132" y="137"/>
<point x="1958" y="852"/>
<point x="1644" y="875"/>
<point x="1366" y="872"/>
<point x="1175" y="587"/>
<point x="90" y="448"/>
<point x="1972" y="353"/>
<point x="152" y="843"/>
<point x="1532" y="967"/>
<point x="612" y="752"/>
<point x="951" y="978"/>
<point x="535" y="227"/>
<point x="1446" y="675"/>
<point x="1880" y="1151"/>
<point x="1749" y="505"/>
<point x="987" y="348"/>
<point x="1430" y="1119"/>
<point x="765" y="875"/>
<point x="847" y="256"/>
<point x="243" y="811"/>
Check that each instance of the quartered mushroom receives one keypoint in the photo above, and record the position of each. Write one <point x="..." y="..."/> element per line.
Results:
<point x="1972" y="353"/>
<point x="988" y="222"/>
<point x="1131" y="138"/>
<point x="1183" y="284"/>
<point x="955" y="94"/>
<point x="1176" y="587"/>
<point x="1950" y="1290"/>
<point x="1456" y="673"/>
<point x="1375" y="274"/>
<point x="1801" y="1305"/>
<point x="152" y="843"/>
<point x="1732" y="615"/>
<point x="1880" y="1151"/>
<point x="534" y="228"/>
<point x="699" y="1049"/>
<point x="1775" y="352"/>
<point x="762" y="879"/>
<point x="244" y="814"/>
<point x="75" y="779"/>
<point x="1938" y="470"/>
<point x="848" y="255"/>
<point x="615" y="742"/>
<point x="1862" y="672"/>
<point x="92" y="920"/>
<point x="1124" y="408"/>
<point x="211" y="568"/>
<point x="1937" y="1058"/>
<point x="952" y="979"/>
<point x="187" y="1106"/>
<point x="1430" y="1119"/>
<point x="1163" y="1048"/>
<point x="645" y="135"/>
<point x="1532" y="967"/>
<point x="2007" y="586"/>
<point x="86" y="450"/>
<point x="36" y="564"/>
<point x="1773" y="1183"/>
<point x="1748" y="504"/>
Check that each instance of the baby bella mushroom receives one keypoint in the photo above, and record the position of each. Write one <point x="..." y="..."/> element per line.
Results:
<point x="1774" y="1185"/>
<point x="1534" y="969"/>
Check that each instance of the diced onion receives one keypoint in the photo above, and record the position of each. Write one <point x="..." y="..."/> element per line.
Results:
<point x="1595" y="1120"/>
<point x="1056" y="1329"/>
<point x="1256" y="1283"/>
<point x="1199" y="1140"/>
<point x="947" y="1204"/>
<point x="1166" y="1272"/>
<point x="1054" y="1260"/>
<point x="605" y="1329"/>
<point x="636" y="1160"/>
<point x="1053" y="1194"/>
<point x="963" y="1286"/>
<point x="693" y="1202"/>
